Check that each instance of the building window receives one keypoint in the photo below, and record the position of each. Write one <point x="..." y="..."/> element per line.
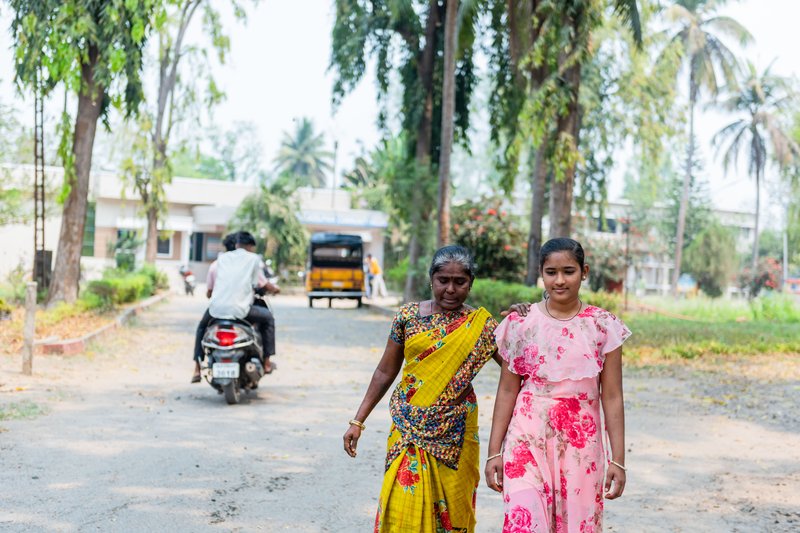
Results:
<point x="87" y="250"/>
<point x="196" y="247"/>
<point x="164" y="246"/>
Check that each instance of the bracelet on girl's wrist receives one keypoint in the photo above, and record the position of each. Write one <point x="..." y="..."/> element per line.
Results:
<point x="495" y="456"/>
<point x="617" y="464"/>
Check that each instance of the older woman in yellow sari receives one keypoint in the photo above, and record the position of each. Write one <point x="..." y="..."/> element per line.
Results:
<point x="433" y="455"/>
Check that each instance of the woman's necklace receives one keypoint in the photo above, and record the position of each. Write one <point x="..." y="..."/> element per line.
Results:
<point x="580" y="305"/>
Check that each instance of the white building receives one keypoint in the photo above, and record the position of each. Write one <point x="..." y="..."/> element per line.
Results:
<point x="198" y="212"/>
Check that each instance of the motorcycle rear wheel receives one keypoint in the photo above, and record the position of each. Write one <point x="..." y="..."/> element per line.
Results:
<point x="231" y="391"/>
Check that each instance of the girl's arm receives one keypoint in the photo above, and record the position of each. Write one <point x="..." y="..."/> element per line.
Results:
<point x="507" y="391"/>
<point x="382" y="379"/>
<point x="614" y="409"/>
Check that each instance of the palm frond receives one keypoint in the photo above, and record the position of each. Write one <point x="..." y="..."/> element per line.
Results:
<point x="628" y="12"/>
<point x="730" y="27"/>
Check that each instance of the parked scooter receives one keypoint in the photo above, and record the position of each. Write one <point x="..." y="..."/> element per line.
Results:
<point x="189" y="280"/>
<point x="234" y="351"/>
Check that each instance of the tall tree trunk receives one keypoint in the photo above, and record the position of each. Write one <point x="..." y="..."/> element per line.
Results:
<point x="685" y="190"/>
<point x="538" y="185"/>
<point x="169" y="59"/>
<point x="561" y="191"/>
<point x="151" y="246"/>
<point x="754" y="263"/>
<point x="422" y="153"/>
<point x="448" y="110"/>
<point x="66" y="273"/>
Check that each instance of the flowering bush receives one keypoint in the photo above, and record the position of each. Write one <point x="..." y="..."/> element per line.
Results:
<point x="606" y="259"/>
<point x="499" y="245"/>
<point x="767" y="276"/>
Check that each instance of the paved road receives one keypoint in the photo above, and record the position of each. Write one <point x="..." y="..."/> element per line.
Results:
<point x="129" y="445"/>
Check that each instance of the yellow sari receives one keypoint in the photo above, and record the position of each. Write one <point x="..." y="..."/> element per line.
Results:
<point x="432" y="469"/>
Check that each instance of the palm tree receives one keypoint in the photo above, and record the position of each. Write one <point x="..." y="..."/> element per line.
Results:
<point x="759" y="132"/>
<point x="706" y="58"/>
<point x="302" y="157"/>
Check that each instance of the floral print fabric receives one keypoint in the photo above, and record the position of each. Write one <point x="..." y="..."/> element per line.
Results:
<point x="553" y="456"/>
<point x="433" y="450"/>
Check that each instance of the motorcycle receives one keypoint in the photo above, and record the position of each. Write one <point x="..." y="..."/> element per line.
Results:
<point x="189" y="280"/>
<point x="234" y="351"/>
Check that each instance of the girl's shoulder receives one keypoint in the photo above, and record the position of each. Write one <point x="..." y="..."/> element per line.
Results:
<point x="598" y="314"/>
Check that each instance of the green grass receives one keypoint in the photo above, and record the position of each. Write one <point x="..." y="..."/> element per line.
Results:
<point x="661" y="337"/>
<point x="23" y="410"/>
<point x="770" y="306"/>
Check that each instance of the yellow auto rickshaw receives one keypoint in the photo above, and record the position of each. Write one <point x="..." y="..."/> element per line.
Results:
<point x="335" y="268"/>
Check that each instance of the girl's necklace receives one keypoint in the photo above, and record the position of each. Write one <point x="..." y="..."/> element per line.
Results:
<point x="580" y="306"/>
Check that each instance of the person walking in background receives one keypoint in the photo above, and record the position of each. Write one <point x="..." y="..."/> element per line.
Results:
<point x="368" y="276"/>
<point x="432" y="465"/>
<point x="378" y="285"/>
<point x="561" y="368"/>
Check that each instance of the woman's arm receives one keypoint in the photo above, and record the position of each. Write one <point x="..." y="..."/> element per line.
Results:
<point x="614" y="409"/>
<point x="382" y="379"/>
<point x="507" y="391"/>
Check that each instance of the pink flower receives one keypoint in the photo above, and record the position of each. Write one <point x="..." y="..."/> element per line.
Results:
<point x="588" y="425"/>
<point x="564" y="332"/>
<point x="522" y="454"/>
<point x="563" y="486"/>
<point x="522" y="366"/>
<point x="517" y="521"/>
<point x="514" y="470"/>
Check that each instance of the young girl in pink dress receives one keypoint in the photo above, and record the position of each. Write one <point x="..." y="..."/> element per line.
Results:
<point x="562" y="368"/>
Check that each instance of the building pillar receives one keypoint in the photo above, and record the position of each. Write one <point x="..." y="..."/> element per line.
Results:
<point x="186" y="246"/>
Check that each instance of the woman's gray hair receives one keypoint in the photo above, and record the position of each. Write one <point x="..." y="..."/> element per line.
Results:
<point x="453" y="254"/>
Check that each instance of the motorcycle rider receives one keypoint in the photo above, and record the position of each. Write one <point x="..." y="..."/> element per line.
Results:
<point x="231" y="282"/>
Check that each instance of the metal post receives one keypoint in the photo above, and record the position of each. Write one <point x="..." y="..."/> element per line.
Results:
<point x="29" y="330"/>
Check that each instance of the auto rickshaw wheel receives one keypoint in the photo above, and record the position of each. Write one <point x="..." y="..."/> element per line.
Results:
<point x="310" y="301"/>
<point x="359" y="302"/>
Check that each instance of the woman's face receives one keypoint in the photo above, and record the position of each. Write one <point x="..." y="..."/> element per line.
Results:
<point x="562" y="277"/>
<point x="451" y="285"/>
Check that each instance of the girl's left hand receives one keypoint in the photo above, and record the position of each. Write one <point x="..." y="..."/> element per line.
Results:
<point x="614" y="476"/>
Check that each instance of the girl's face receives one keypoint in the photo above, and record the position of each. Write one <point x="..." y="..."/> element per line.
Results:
<point x="562" y="276"/>
<point x="451" y="285"/>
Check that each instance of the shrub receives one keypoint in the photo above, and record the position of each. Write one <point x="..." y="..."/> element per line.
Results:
<point x="767" y="276"/>
<point x="5" y="309"/>
<point x="499" y="246"/>
<point x="158" y="278"/>
<point x="117" y="287"/>
<point x="14" y="289"/>
<point x="496" y="296"/>
<point x="609" y="301"/>
<point x="775" y="308"/>
<point x="395" y="277"/>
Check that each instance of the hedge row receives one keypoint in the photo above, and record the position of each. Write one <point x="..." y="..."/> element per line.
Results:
<point x="119" y="287"/>
<point x="496" y="296"/>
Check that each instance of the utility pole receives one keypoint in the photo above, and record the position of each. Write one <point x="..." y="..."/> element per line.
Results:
<point x="41" y="257"/>
<point x="333" y="178"/>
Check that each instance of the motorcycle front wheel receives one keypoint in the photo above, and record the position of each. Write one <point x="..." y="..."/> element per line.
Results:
<point x="231" y="391"/>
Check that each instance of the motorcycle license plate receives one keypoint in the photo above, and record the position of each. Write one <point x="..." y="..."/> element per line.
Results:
<point x="225" y="370"/>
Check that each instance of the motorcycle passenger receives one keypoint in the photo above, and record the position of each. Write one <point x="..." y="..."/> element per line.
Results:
<point x="230" y="286"/>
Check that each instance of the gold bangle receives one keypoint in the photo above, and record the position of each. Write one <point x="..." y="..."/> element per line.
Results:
<point x="617" y="464"/>
<point x="355" y="422"/>
<point x="495" y="456"/>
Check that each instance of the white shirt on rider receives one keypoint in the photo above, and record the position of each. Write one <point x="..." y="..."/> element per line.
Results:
<point x="238" y="273"/>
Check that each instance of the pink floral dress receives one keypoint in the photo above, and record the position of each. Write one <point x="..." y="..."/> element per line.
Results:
<point x="553" y="455"/>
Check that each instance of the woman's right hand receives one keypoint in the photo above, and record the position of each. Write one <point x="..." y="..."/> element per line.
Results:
<point x="351" y="437"/>
<point x="494" y="474"/>
<point x="520" y="308"/>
